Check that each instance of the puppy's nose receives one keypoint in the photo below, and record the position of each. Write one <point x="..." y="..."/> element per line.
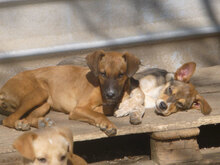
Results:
<point x="110" y="94"/>
<point x="163" y="105"/>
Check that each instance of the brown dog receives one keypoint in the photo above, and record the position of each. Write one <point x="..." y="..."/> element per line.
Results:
<point x="82" y="93"/>
<point x="51" y="146"/>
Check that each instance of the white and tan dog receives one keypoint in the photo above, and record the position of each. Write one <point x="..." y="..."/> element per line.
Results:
<point x="165" y="92"/>
<point x="48" y="146"/>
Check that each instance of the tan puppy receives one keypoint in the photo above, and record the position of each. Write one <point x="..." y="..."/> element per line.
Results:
<point x="85" y="94"/>
<point x="49" y="146"/>
<point x="165" y="92"/>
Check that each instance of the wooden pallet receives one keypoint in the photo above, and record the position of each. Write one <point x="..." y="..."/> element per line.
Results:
<point x="207" y="81"/>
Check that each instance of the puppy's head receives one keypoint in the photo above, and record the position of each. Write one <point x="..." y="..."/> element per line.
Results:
<point x="51" y="146"/>
<point x="179" y="95"/>
<point x="113" y="70"/>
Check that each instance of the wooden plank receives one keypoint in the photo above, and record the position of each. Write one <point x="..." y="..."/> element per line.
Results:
<point x="151" y="123"/>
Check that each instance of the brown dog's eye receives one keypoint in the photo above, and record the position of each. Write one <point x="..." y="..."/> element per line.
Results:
<point x="63" y="157"/>
<point x="42" y="160"/>
<point x="103" y="74"/>
<point x="120" y="75"/>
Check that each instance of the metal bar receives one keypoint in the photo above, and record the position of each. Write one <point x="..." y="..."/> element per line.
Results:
<point x="114" y="42"/>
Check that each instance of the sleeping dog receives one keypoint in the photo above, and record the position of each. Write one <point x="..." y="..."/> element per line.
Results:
<point x="165" y="92"/>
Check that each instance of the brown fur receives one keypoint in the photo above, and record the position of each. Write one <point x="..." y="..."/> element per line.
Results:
<point x="85" y="95"/>
<point x="52" y="145"/>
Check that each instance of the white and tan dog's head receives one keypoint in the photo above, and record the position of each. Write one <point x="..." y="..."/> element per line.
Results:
<point x="49" y="146"/>
<point x="179" y="94"/>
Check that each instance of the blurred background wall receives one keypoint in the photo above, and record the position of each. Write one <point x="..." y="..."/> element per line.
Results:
<point x="162" y="33"/>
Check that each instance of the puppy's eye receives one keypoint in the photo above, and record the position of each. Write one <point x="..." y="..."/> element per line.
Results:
<point x="42" y="160"/>
<point x="4" y="105"/>
<point x="103" y="74"/>
<point x="179" y="105"/>
<point x="62" y="158"/>
<point x="120" y="75"/>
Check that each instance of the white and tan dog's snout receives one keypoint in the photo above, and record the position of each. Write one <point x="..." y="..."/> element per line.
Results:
<point x="162" y="107"/>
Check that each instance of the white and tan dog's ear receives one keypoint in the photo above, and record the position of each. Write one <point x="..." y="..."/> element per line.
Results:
<point x="93" y="61"/>
<point x="185" y="72"/>
<point x="201" y="104"/>
<point x="132" y="64"/>
<point x="23" y="144"/>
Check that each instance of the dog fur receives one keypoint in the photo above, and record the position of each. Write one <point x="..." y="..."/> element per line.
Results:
<point x="165" y="92"/>
<point x="50" y="146"/>
<point x="86" y="94"/>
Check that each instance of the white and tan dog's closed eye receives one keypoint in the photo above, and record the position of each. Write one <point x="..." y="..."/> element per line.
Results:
<point x="50" y="146"/>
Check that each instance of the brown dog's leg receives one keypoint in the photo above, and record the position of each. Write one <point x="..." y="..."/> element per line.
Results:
<point x="36" y="119"/>
<point x="31" y="100"/>
<point x="94" y="118"/>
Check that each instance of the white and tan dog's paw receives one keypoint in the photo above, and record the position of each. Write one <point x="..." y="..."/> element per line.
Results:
<point x="121" y="113"/>
<point x="134" y="102"/>
<point x="137" y="114"/>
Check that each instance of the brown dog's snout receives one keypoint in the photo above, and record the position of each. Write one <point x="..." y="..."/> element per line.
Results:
<point x="110" y="93"/>
<point x="111" y="89"/>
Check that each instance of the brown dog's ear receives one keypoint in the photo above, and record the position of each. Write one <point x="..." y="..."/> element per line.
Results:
<point x="67" y="134"/>
<point x="132" y="64"/>
<point x="93" y="61"/>
<point x="201" y="104"/>
<point x="185" y="72"/>
<point x="23" y="144"/>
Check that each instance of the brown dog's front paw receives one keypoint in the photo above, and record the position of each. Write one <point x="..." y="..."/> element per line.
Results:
<point x="22" y="125"/>
<point x="45" y="122"/>
<point x="107" y="127"/>
<point x="8" y="123"/>
<point x="110" y="132"/>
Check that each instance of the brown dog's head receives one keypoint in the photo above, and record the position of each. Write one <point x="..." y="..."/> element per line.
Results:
<point x="179" y="94"/>
<point x="51" y="146"/>
<point x="113" y="70"/>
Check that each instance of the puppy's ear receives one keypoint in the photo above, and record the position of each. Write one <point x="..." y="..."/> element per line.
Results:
<point x="76" y="160"/>
<point x="185" y="72"/>
<point x="93" y="61"/>
<point x="201" y="104"/>
<point x="67" y="134"/>
<point x="23" y="144"/>
<point x="132" y="64"/>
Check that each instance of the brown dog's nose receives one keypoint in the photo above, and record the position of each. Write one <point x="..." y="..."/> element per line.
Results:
<point x="110" y="94"/>
<point x="163" y="106"/>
